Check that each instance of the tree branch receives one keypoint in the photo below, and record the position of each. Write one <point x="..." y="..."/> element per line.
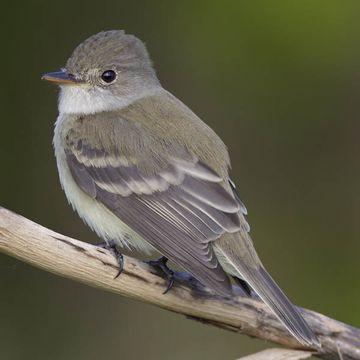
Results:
<point x="278" y="354"/>
<point x="94" y="266"/>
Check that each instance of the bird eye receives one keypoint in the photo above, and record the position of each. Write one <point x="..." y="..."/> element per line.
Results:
<point x="108" y="76"/>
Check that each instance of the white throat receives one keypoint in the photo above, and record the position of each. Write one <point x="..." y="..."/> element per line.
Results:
<point x="81" y="99"/>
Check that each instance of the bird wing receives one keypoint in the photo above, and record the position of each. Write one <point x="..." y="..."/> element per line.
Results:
<point x="179" y="208"/>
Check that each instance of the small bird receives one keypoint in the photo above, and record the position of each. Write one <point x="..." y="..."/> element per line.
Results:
<point x="145" y="173"/>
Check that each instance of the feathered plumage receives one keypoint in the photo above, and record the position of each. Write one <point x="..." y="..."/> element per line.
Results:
<point x="142" y="169"/>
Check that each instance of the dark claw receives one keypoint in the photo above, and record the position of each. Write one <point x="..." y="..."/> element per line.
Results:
<point x="160" y="264"/>
<point x="169" y="285"/>
<point x="111" y="246"/>
<point x="120" y="260"/>
<point x="244" y="285"/>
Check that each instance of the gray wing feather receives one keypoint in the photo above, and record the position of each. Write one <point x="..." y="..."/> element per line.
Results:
<point x="179" y="210"/>
<point x="178" y="240"/>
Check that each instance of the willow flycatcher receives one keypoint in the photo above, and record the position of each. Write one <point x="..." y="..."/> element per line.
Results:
<point x="144" y="171"/>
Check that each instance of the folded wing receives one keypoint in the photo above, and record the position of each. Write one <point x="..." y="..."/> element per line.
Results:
<point x="179" y="209"/>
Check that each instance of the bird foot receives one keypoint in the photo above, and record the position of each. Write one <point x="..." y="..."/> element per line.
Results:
<point x="111" y="246"/>
<point x="160" y="264"/>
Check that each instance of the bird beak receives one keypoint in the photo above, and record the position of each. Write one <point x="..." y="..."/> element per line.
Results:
<point x="60" y="78"/>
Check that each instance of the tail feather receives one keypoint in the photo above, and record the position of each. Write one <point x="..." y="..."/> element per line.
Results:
<point x="263" y="284"/>
<point x="290" y="316"/>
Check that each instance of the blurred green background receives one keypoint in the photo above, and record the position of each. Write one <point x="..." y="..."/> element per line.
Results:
<point x="279" y="81"/>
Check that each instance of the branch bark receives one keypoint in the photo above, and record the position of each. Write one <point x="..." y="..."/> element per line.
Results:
<point x="278" y="354"/>
<point x="94" y="266"/>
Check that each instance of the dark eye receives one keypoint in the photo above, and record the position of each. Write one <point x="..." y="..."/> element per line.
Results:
<point x="108" y="76"/>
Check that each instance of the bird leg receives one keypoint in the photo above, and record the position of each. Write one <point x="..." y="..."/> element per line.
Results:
<point x="111" y="246"/>
<point x="160" y="264"/>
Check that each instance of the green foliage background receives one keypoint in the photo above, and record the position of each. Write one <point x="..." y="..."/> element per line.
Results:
<point x="279" y="82"/>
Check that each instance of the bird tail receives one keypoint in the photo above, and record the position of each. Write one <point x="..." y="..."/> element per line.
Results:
<point x="263" y="284"/>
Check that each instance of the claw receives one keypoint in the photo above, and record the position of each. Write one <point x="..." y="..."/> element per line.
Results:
<point x="169" y="284"/>
<point x="120" y="260"/>
<point x="111" y="246"/>
<point x="160" y="264"/>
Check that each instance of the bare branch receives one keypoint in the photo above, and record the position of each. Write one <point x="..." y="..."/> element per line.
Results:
<point x="94" y="266"/>
<point x="278" y="354"/>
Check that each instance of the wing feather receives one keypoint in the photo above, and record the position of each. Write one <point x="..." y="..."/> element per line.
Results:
<point x="180" y="209"/>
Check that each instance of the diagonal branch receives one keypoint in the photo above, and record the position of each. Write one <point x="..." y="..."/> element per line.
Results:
<point x="94" y="266"/>
<point x="278" y="354"/>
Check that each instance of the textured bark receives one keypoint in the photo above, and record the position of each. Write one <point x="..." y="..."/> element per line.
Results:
<point x="278" y="354"/>
<point x="94" y="266"/>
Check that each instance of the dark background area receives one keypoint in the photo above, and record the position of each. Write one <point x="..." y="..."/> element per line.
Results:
<point x="278" y="81"/>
